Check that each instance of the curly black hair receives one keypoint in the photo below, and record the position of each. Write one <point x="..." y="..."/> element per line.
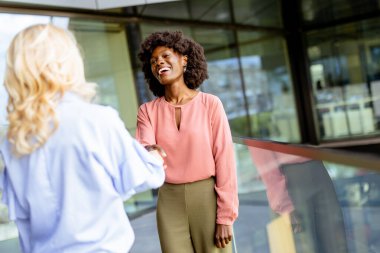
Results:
<point x="196" y="68"/>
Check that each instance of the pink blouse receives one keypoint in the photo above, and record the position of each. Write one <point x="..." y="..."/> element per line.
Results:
<point x="201" y="148"/>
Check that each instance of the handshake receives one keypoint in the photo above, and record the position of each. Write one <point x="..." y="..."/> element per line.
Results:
<point x="157" y="152"/>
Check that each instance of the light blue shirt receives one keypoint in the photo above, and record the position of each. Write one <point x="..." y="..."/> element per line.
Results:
<point x="67" y="196"/>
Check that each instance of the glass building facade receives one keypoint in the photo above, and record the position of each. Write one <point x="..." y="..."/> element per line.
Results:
<point x="300" y="71"/>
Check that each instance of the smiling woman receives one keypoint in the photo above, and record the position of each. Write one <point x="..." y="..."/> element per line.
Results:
<point x="175" y="43"/>
<point x="200" y="190"/>
<point x="167" y="65"/>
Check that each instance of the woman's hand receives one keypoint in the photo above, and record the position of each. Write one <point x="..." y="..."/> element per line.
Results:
<point x="223" y="235"/>
<point x="158" y="152"/>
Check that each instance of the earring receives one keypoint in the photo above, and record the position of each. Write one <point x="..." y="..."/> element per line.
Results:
<point x="184" y="68"/>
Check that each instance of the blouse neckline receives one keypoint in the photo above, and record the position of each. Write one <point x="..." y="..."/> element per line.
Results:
<point x="183" y="105"/>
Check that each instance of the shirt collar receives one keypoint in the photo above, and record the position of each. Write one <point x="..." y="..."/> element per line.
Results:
<point x="70" y="97"/>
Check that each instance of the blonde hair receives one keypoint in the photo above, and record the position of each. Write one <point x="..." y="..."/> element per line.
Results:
<point x="43" y="62"/>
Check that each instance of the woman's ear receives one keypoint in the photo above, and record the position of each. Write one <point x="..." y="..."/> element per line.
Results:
<point x="184" y="60"/>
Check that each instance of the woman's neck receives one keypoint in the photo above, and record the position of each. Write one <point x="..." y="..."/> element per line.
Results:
<point x="179" y="96"/>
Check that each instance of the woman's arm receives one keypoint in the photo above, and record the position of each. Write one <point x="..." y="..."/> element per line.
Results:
<point x="144" y="132"/>
<point x="134" y="168"/>
<point x="225" y="166"/>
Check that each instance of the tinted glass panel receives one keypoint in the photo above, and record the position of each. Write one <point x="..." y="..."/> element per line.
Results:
<point x="257" y="12"/>
<point x="210" y="10"/>
<point x="225" y="77"/>
<point x="269" y="88"/>
<point x="345" y="73"/>
<point x="304" y="205"/>
<point x="107" y="63"/>
<point x="196" y="10"/>
<point x="176" y="9"/>
<point x="323" y="11"/>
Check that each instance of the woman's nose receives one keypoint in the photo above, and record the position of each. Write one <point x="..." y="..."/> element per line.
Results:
<point x="160" y="60"/>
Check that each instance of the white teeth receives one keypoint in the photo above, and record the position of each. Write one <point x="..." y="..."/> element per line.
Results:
<point x="163" y="69"/>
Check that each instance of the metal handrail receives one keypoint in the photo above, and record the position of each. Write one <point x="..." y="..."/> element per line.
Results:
<point x="360" y="160"/>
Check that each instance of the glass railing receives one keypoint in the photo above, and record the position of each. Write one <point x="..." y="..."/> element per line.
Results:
<point x="306" y="200"/>
<point x="293" y="199"/>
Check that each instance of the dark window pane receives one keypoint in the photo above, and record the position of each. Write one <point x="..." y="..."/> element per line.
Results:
<point x="258" y="12"/>
<point x="176" y="9"/>
<point x="323" y="11"/>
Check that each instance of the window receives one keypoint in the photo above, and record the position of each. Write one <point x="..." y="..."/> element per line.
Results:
<point x="346" y="81"/>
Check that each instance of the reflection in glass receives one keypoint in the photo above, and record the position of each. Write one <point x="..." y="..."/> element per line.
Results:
<point x="305" y="206"/>
<point x="269" y="88"/>
<point x="315" y="214"/>
<point x="225" y="83"/>
<point x="224" y="76"/>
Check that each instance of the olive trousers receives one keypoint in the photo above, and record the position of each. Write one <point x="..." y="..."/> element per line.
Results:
<point x="186" y="215"/>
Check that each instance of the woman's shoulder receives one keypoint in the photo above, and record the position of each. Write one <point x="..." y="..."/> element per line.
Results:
<point x="74" y="105"/>
<point x="92" y="115"/>
<point x="150" y="105"/>
<point x="209" y="99"/>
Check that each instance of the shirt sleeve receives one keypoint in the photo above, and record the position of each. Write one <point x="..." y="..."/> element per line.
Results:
<point x="144" y="132"/>
<point x="8" y="196"/>
<point x="2" y="172"/>
<point x="273" y="179"/>
<point x="136" y="169"/>
<point x="225" y="167"/>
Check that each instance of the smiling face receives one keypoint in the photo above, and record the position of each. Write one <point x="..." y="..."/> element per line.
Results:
<point x="167" y="65"/>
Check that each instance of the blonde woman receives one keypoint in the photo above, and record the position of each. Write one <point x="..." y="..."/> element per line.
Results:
<point x="69" y="163"/>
